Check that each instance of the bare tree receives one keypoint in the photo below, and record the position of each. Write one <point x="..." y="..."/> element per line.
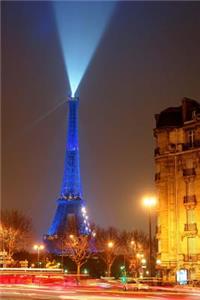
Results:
<point x="134" y="247"/>
<point x="108" y="246"/>
<point x="78" y="248"/>
<point x="15" y="231"/>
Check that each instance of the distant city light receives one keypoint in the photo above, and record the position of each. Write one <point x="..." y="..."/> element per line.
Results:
<point x="83" y="209"/>
<point x="85" y="271"/>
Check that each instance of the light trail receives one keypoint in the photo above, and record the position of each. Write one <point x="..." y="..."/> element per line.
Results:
<point x="22" y="292"/>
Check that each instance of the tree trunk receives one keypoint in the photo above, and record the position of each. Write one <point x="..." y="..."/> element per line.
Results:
<point x="78" y="272"/>
<point x="109" y="269"/>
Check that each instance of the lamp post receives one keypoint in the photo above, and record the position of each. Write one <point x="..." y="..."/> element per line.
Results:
<point x="150" y="202"/>
<point x="109" y="256"/>
<point x="38" y="248"/>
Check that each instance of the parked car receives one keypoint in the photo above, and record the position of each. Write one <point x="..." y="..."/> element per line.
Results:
<point x="135" y="285"/>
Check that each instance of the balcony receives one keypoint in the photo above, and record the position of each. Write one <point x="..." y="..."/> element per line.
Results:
<point x="189" y="146"/>
<point x="190" y="258"/>
<point x="189" y="172"/>
<point x="157" y="176"/>
<point x="190" y="229"/>
<point x="158" y="231"/>
<point x="190" y="201"/>
<point x="157" y="151"/>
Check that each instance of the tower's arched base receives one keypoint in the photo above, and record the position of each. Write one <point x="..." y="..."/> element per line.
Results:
<point x="70" y="218"/>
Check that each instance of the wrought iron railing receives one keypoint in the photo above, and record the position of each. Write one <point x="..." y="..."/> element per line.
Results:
<point x="189" y="172"/>
<point x="190" y="199"/>
<point x="190" y="227"/>
<point x="190" y="258"/>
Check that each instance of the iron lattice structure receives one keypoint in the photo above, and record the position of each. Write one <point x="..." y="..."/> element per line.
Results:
<point x="70" y="216"/>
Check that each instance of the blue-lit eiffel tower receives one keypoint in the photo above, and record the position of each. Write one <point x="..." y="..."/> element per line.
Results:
<point x="70" y="216"/>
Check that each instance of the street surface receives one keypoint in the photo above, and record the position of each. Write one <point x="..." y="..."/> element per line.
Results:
<point x="31" y="292"/>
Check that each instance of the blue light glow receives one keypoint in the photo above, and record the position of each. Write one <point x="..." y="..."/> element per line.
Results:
<point x="71" y="186"/>
<point x="80" y="27"/>
<point x="71" y="201"/>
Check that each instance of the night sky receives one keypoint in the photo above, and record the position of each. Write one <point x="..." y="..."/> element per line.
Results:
<point x="148" y="59"/>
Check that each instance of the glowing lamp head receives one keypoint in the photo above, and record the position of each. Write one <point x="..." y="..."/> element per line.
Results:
<point x="35" y="247"/>
<point x="110" y="244"/>
<point x="143" y="261"/>
<point x="158" y="261"/>
<point x="38" y="247"/>
<point x="150" y="201"/>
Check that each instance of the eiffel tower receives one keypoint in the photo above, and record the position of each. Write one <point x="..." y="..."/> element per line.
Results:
<point x="71" y="216"/>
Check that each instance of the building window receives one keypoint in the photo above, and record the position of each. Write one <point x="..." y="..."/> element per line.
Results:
<point x="159" y="246"/>
<point x="190" y="137"/>
<point x="192" y="244"/>
<point x="191" y="217"/>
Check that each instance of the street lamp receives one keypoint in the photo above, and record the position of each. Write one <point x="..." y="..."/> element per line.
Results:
<point x="143" y="261"/>
<point x="150" y="202"/>
<point x="38" y="248"/>
<point x="158" y="261"/>
<point x="110" y="244"/>
<point x="109" y="255"/>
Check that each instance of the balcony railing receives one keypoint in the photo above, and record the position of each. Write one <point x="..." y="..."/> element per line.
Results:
<point x="190" y="258"/>
<point x="190" y="201"/>
<point x="157" y="151"/>
<point x="190" y="227"/>
<point x="189" y="172"/>
<point x="179" y="147"/>
<point x="157" y="176"/>
<point x="188" y="146"/>
<point x="158" y="231"/>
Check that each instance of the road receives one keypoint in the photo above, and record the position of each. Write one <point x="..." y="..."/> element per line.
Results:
<point x="74" y="293"/>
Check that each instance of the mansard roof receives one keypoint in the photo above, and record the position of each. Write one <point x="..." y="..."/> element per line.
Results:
<point x="177" y="116"/>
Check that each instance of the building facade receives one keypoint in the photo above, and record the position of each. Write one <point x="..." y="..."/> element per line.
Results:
<point x="177" y="179"/>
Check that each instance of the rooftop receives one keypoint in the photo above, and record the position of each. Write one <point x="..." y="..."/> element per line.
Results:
<point x="177" y="116"/>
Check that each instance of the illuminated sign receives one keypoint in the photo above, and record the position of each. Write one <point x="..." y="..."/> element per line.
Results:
<point x="182" y="276"/>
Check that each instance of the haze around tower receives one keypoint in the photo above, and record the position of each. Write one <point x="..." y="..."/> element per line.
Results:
<point x="80" y="27"/>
